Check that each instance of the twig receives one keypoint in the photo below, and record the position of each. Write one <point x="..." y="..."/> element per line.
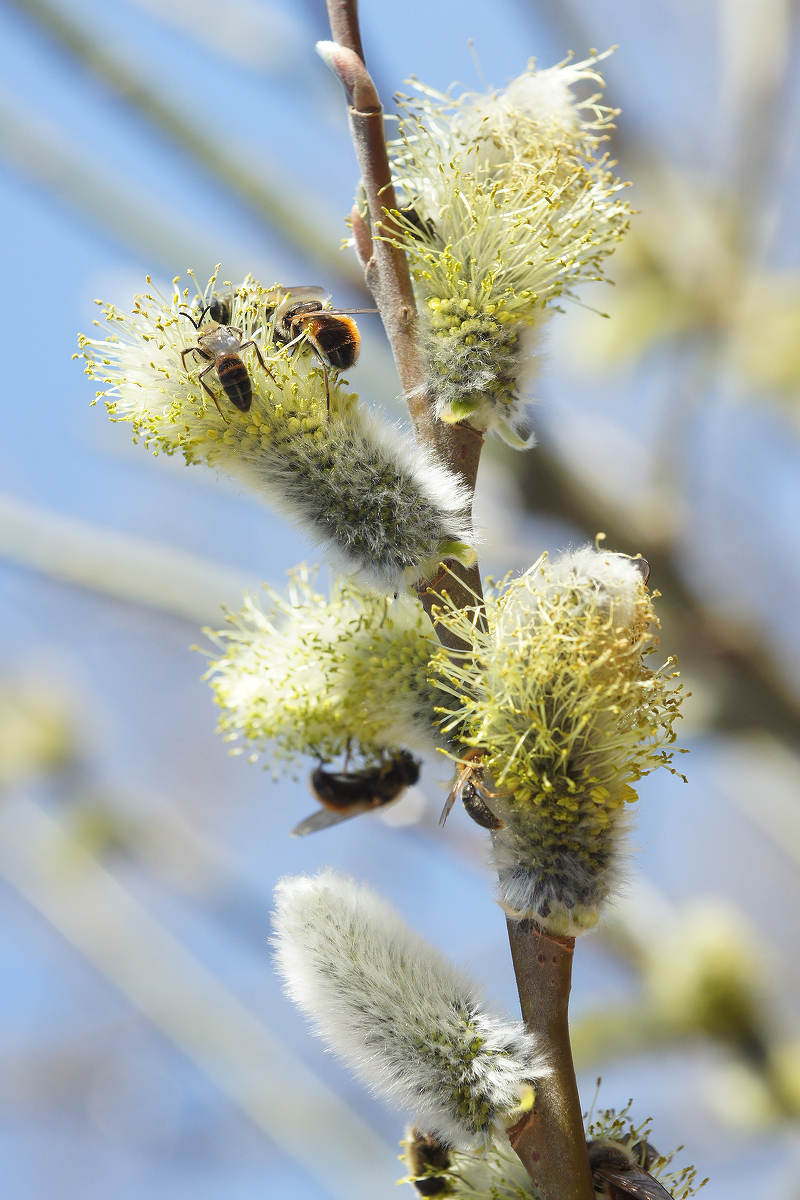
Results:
<point x="550" y="1141"/>
<point x="388" y="279"/>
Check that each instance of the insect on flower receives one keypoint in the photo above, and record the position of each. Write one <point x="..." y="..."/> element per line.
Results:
<point x="219" y="308"/>
<point x="425" y="1153"/>
<point x="469" y="787"/>
<point x="221" y="345"/>
<point x="299" y="313"/>
<point x="347" y="794"/>
<point x="616" y="1173"/>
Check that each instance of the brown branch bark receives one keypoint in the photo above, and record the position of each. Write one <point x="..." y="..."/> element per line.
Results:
<point x="550" y="1140"/>
<point x="387" y="276"/>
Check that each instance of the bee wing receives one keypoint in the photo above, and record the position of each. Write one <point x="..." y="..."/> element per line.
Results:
<point x="449" y="802"/>
<point x="635" y="1181"/>
<point x="301" y="293"/>
<point x="324" y="817"/>
<point x="347" y="312"/>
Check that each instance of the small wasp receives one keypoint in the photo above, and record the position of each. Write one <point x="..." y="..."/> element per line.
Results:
<point x="470" y="788"/>
<point x="618" y="1172"/>
<point x="221" y="345"/>
<point x="424" y="1153"/>
<point x="331" y="332"/>
<point x="347" y="794"/>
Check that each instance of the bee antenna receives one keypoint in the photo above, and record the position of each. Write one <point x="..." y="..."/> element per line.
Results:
<point x="189" y="317"/>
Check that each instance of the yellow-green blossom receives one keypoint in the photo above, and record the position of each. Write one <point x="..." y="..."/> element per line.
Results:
<point x="383" y="509"/>
<point x="510" y="207"/>
<point x="319" y="677"/>
<point x="555" y="694"/>
<point x="497" y="1174"/>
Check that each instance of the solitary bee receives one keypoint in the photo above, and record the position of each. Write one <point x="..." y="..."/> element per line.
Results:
<point x="347" y="794"/>
<point x="424" y="1154"/>
<point x="299" y="313"/>
<point x="469" y="787"/>
<point x="220" y="345"/>
<point x="618" y="1172"/>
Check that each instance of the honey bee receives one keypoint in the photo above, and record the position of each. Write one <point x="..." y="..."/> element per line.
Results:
<point x="347" y="794"/>
<point x="299" y="313"/>
<point x="618" y="1172"/>
<point x="220" y="345"/>
<point x="424" y="1151"/>
<point x="469" y="787"/>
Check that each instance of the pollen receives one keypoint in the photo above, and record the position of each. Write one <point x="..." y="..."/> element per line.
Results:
<point x="307" y="675"/>
<point x="383" y="509"/>
<point x="514" y="205"/>
<point x="556" y="693"/>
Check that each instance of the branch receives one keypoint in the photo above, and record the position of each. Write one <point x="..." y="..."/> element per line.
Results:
<point x="550" y="1140"/>
<point x="388" y="279"/>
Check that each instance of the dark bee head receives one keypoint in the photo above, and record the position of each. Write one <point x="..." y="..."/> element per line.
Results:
<point x="219" y="310"/>
<point x="215" y="308"/>
<point x="608" y="1154"/>
<point x="645" y="1154"/>
<point x="421" y="226"/>
<point x="425" y="1155"/>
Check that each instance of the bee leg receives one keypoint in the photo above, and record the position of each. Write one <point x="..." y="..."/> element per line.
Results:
<point x="327" y="389"/>
<point x="210" y="367"/>
<point x="260" y="359"/>
<point x="194" y="350"/>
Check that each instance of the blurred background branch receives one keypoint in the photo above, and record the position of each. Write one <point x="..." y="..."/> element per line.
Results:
<point x="147" y="137"/>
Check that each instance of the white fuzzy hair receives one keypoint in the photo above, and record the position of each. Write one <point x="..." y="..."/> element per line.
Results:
<point x="613" y="577"/>
<point x="605" y="578"/>
<point x="397" y="1012"/>
<point x="379" y="506"/>
<point x="384" y="511"/>
<point x="562" y="892"/>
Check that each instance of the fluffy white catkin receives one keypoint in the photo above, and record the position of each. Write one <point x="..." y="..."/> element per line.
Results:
<point x="383" y="509"/>
<point x="399" y="1014"/>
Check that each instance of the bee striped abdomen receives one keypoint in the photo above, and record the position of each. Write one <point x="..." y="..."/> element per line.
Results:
<point x="235" y="381"/>
<point x="338" y="340"/>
